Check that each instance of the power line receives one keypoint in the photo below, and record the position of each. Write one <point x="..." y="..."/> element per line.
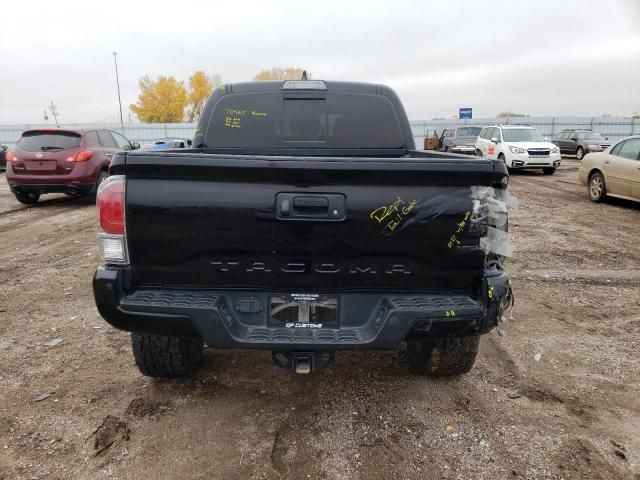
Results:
<point x="54" y="111"/>
<point x="115" y="62"/>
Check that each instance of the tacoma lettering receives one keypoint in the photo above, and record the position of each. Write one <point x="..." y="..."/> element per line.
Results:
<point x="306" y="267"/>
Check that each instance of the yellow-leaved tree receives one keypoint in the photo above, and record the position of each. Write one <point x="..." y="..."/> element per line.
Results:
<point x="279" y="73"/>
<point x="200" y="87"/>
<point x="160" y="101"/>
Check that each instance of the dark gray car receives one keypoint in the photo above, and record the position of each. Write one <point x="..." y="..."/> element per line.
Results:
<point x="3" y="157"/>
<point x="460" y="140"/>
<point x="580" y="142"/>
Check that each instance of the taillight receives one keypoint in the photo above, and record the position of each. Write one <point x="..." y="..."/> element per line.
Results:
<point x="11" y="157"/>
<point x="111" y="219"/>
<point x="110" y="204"/>
<point x="80" y="157"/>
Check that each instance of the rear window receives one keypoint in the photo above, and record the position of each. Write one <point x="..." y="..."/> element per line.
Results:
<point x="37" y="141"/>
<point x="468" y="131"/>
<point x="590" y="136"/>
<point x="267" y="120"/>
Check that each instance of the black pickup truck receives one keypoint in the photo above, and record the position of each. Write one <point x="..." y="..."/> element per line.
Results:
<point x="303" y="222"/>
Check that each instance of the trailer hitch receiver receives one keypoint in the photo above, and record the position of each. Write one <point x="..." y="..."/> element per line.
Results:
<point x="303" y="362"/>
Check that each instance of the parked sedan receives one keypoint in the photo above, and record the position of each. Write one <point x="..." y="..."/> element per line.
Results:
<point x="614" y="172"/>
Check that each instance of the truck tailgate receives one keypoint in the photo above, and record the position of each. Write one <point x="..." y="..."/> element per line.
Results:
<point x="321" y="224"/>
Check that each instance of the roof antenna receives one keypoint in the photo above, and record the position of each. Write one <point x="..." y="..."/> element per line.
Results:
<point x="304" y="75"/>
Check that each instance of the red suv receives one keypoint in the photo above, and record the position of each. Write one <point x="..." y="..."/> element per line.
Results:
<point x="68" y="161"/>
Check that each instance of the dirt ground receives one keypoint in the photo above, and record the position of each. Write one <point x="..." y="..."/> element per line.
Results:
<point x="556" y="397"/>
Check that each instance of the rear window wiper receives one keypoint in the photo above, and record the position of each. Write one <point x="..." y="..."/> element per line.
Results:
<point x="51" y="148"/>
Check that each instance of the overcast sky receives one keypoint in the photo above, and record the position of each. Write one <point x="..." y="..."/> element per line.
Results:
<point x="537" y="57"/>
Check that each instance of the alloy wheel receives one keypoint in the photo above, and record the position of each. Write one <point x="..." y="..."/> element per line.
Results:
<point x="595" y="188"/>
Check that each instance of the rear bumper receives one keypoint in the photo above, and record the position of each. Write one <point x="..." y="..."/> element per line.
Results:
<point x="82" y="177"/>
<point x="465" y="150"/>
<point x="370" y="321"/>
<point x="53" y="187"/>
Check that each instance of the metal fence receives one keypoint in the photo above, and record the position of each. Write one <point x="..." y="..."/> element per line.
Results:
<point x="611" y="127"/>
<point x="139" y="132"/>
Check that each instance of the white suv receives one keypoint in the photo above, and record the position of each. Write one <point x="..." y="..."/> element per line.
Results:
<point x="519" y="147"/>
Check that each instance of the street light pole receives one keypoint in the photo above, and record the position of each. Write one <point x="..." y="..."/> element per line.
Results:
<point x="115" y="62"/>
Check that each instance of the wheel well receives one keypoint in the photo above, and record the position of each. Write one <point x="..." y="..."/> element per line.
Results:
<point x="501" y="155"/>
<point x="594" y="171"/>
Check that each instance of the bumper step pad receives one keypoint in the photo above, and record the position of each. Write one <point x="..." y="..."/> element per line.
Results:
<point x="383" y="324"/>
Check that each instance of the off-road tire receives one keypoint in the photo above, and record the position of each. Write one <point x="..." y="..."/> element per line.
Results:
<point x="549" y="170"/>
<point x="597" y="188"/>
<point x="579" y="153"/>
<point x="441" y="357"/>
<point x="27" y="198"/>
<point x="169" y="357"/>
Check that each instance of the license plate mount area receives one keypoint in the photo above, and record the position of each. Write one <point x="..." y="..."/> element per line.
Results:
<point x="303" y="310"/>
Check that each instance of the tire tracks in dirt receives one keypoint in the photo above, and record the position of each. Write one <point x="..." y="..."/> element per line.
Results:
<point x="26" y="217"/>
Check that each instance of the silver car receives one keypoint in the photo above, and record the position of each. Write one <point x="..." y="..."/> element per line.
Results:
<point x="614" y="172"/>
